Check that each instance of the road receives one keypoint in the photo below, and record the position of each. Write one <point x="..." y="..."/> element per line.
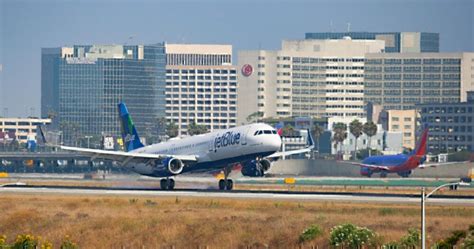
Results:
<point x="240" y="194"/>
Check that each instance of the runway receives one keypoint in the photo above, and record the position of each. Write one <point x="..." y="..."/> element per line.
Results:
<point x="241" y="194"/>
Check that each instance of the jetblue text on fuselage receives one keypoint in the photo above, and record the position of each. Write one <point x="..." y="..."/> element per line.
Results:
<point x="228" y="138"/>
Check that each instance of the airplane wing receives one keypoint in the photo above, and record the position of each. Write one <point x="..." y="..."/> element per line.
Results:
<point x="371" y="166"/>
<point x="432" y="165"/>
<point x="125" y="157"/>
<point x="309" y="147"/>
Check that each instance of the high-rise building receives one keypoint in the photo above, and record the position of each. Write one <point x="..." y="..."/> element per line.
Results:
<point x="312" y="78"/>
<point x="403" y="121"/>
<point x="395" y="42"/>
<point x="451" y="125"/>
<point x="201" y="86"/>
<point x="401" y="80"/>
<point x="82" y="85"/>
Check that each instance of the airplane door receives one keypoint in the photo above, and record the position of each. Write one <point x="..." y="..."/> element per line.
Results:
<point x="211" y="143"/>
<point x="244" y="136"/>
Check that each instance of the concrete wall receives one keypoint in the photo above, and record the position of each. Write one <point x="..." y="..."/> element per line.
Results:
<point x="333" y="168"/>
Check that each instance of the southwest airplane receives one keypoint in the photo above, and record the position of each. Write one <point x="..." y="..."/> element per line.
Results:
<point x="402" y="164"/>
<point x="253" y="146"/>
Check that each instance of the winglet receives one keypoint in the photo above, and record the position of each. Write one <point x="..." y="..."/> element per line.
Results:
<point x="310" y="140"/>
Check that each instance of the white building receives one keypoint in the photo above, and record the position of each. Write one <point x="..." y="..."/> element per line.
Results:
<point x="201" y="86"/>
<point x="21" y="127"/>
<point x="314" y="78"/>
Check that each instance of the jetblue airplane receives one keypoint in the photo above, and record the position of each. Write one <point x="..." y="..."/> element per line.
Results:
<point x="253" y="146"/>
<point x="402" y="164"/>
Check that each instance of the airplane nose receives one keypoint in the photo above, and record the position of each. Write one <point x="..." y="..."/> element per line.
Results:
<point x="276" y="142"/>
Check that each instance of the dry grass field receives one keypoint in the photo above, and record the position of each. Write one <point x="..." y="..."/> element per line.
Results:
<point x="129" y="222"/>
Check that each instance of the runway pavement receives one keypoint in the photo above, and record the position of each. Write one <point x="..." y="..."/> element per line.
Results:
<point x="239" y="194"/>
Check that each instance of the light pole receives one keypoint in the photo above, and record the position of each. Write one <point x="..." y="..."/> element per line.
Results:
<point x="425" y="196"/>
<point x="88" y="139"/>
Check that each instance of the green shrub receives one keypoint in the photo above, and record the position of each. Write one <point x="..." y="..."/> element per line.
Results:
<point x="26" y="241"/>
<point x="68" y="244"/>
<point x="412" y="239"/>
<point x="3" y="241"/>
<point x="351" y="236"/>
<point x="310" y="233"/>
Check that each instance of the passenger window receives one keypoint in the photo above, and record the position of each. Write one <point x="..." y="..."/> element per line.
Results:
<point x="267" y="132"/>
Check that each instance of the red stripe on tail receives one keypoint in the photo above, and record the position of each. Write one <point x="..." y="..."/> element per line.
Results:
<point x="421" y="147"/>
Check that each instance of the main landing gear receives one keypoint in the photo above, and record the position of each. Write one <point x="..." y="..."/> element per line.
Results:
<point x="167" y="184"/>
<point x="226" y="183"/>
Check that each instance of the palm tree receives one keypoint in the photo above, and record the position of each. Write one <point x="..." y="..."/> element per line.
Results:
<point x="316" y="132"/>
<point x="194" y="129"/>
<point x="254" y="117"/>
<point x="339" y="134"/>
<point x="172" y="130"/>
<point x="355" y="127"/>
<point x="370" y="129"/>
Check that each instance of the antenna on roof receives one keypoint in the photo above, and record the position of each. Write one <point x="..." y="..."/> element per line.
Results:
<point x="348" y="27"/>
<point x="330" y="26"/>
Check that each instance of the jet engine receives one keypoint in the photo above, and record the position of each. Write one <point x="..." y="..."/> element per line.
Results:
<point x="256" y="168"/>
<point x="404" y="173"/>
<point x="173" y="165"/>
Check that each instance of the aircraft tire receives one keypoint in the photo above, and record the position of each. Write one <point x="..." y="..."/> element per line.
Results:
<point x="171" y="184"/>
<point x="222" y="185"/>
<point x="163" y="184"/>
<point x="229" y="184"/>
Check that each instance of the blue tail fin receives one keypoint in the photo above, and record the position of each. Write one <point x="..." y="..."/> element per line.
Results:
<point x="129" y="133"/>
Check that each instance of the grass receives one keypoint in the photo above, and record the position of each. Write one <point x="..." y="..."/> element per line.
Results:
<point x="135" y="222"/>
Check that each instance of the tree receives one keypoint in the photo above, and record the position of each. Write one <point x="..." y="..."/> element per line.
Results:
<point x="172" y="130"/>
<point x="194" y="129"/>
<point x="355" y="127"/>
<point x="288" y="130"/>
<point x="370" y="129"/>
<point x="254" y="117"/>
<point x="316" y="132"/>
<point x="339" y="134"/>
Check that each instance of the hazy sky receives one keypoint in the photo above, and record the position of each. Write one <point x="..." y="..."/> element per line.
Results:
<point x="28" y="25"/>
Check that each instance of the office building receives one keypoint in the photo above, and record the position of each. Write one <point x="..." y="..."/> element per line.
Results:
<point x="306" y="78"/>
<point x="82" y="85"/>
<point x="403" y="121"/>
<point x="395" y="42"/>
<point x="201" y="86"/>
<point x="20" y="128"/>
<point x="401" y="80"/>
<point x="451" y="125"/>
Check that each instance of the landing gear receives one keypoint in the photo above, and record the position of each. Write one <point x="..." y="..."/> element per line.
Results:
<point x="226" y="183"/>
<point x="167" y="184"/>
<point x="383" y="174"/>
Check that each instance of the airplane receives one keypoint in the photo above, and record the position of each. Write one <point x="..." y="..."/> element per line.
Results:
<point x="401" y="164"/>
<point x="252" y="146"/>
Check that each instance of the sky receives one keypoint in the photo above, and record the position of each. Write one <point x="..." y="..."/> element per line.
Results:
<point x="26" y="26"/>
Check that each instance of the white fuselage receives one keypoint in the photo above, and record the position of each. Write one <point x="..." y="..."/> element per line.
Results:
<point x="216" y="149"/>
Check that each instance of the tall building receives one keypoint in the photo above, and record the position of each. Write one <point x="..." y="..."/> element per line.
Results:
<point x="402" y="80"/>
<point x="451" y="125"/>
<point x="312" y="78"/>
<point x="82" y="85"/>
<point x="395" y="42"/>
<point x="201" y="86"/>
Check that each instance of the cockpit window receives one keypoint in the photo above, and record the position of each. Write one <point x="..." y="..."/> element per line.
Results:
<point x="267" y="132"/>
<point x="260" y="132"/>
<point x="274" y="132"/>
<point x="256" y="133"/>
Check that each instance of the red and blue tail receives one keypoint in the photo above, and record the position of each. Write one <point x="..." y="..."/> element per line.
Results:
<point x="420" y="149"/>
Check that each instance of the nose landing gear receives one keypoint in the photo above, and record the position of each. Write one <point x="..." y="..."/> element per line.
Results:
<point x="226" y="183"/>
